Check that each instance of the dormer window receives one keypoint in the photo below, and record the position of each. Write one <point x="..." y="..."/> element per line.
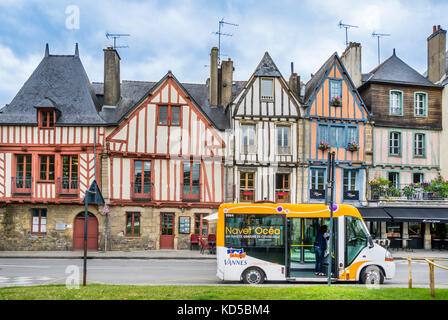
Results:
<point x="46" y="119"/>
<point x="267" y="89"/>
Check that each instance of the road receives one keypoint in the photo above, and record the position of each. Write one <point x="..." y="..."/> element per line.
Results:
<point x="26" y="272"/>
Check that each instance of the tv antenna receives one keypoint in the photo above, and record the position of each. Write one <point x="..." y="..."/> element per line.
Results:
<point x="379" y="35"/>
<point x="219" y="33"/>
<point x="116" y="36"/>
<point x="346" y="26"/>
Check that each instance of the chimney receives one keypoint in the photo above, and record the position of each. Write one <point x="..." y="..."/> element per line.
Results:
<point x="351" y="58"/>
<point x="436" y="54"/>
<point x="226" y="82"/>
<point x="111" y="76"/>
<point x="214" y="77"/>
<point x="294" y="81"/>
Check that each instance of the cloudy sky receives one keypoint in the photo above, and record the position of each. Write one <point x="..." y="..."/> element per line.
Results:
<point x="177" y="35"/>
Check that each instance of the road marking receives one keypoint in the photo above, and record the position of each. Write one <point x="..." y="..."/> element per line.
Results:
<point x="22" y="266"/>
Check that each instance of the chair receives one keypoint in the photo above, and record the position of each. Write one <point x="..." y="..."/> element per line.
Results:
<point x="204" y="245"/>
<point x="194" y="240"/>
<point x="211" y="238"/>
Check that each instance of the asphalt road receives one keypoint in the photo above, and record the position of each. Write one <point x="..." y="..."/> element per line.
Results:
<point x="26" y="272"/>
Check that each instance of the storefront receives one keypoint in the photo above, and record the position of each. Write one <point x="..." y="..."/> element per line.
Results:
<point x="407" y="227"/>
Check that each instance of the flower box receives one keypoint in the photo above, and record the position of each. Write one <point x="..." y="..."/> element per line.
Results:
<point x="323" y="145"/>
<point x="353" y="146"/>
<point x="247" y="193"/>
<point x="336" y="102"/>
<point x="282" y="193"/>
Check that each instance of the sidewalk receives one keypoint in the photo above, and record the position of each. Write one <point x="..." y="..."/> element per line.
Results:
<point x="175" y="254"/>
<point x="141" y="254"/>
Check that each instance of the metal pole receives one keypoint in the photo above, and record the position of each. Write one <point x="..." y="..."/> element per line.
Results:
<point x="84" y="278"/>
<point x="331" y="165"/>
<point x="378" y="50"/>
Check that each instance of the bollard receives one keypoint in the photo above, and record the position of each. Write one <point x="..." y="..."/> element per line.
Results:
<point x="431" y="277"/>
<point x="410" y="272"/>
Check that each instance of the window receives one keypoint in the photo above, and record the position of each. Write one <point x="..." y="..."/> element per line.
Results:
<point x="246" y="230"/>
<point x="419" y="145"/>
<point x="350" y="185"/>
<point x="394" y="178"/>
<point x="395" y="143"/>
<point x="417" y="177"/>
<point x="46" y="168"/>
<point x="282" y="190"/>
<point x="169" y="115"/>
<point x="318" y="179"/>
<point x="248" y="138"/>
<point x="46" y="119"/>
<point x="142" y="177"/>
<point x="322" y="133"/>
<point x="337" y="138"/>
<point x="335" y="89"/>
<point x="283" y="138"/>
<point x="355" y="238"/>
<point x="200" y="224"/>
<point x="39" y="222"/>
<point x="23" y="172"/>
<point x="267" y="89"/>
<point x="420" y="104"/>
<point x="352" y="134"/>
<point x="191" y="187"/>
<point x="247" y="189"/>
<point x="396" y="103"/>
<point x="132" y="223"/>
<point x="69" y="172"/>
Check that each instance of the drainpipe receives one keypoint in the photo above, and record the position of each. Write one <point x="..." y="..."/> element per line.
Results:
<point x="303" y="155"/>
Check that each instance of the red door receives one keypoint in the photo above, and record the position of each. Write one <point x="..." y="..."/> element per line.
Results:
<point x="167" y="231"/>
<point x="92" y="232"/>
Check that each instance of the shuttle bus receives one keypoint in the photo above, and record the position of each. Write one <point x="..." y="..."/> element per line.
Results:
<point x="259" y="242"/>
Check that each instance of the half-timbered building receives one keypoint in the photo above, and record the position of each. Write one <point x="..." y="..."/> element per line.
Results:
<point x="265" y="140"/>
<point x="338" y="121"/>
<point x="407" y="111"/>
<point x="51" y="136"/>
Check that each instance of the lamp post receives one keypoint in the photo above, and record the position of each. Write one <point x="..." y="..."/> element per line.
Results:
<point x="330" y="186"/>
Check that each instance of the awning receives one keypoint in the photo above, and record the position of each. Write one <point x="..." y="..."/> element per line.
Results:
<point x="413" y="214"/>
<point x="374" y="214"/>
<point x="213" y="216"/>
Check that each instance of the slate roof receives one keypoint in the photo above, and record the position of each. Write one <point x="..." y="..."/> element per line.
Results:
<point x="59" y="81"/>
<point x="267" y="67"/>
<point x="395" y="70"/>
<point x="317" y="78"/>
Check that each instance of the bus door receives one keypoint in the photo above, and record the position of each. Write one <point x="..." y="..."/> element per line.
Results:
<point x="302" y="234"/>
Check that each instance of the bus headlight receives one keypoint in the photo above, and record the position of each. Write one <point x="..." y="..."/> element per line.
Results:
<point x="388" y="256"/>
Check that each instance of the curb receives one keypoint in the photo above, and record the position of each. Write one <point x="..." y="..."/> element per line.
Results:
<point x="108" y="258"/>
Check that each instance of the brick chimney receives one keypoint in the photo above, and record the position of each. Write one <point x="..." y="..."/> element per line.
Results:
<point x="294" y="81"/>
<point x="436" y="54"/>
<point x="214" y="100"/>
<point x="111" y="76"/>
<point x="351" y="58"/>
<point x="226" y="82"/>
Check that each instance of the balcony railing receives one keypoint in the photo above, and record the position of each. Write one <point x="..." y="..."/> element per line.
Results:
<point x="21" y="186"/>
<point x="412" y="192"/>
<point x="142" y="191"/>
<point x="191" y="192"/>
<point x="247" y="195"/>
<point x="282" y="196"/>
<point x="68" y="187"/>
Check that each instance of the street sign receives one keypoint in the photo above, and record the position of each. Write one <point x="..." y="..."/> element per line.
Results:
<point x="93" y="195"/>
<point x="106" y="209"/>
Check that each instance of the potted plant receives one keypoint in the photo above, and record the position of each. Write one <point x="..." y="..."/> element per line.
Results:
<point x="377" y="187"/>
<point x="408" y="191"/>
<point x="324" y="145"/>
<point x="335" y="102"/>
<point x="353" y="146"/>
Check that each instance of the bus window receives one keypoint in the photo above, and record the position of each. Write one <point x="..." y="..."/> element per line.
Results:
<point x="356" y="238"/>
<point x="254" y="230"/>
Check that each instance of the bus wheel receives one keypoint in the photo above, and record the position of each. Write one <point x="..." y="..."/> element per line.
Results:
<point x="253" y="276"/>
<point x="371" y="275"/>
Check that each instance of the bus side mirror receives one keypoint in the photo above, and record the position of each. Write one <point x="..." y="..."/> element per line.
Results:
<point x="371" y="245"/>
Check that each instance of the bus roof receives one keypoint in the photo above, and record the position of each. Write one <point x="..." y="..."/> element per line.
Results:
<point x="291" y="210"/>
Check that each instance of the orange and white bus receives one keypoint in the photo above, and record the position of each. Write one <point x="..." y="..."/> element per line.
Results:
<point x="274" y="242"/>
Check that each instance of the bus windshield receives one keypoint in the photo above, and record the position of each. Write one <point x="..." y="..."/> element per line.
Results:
<point x="254" y="230"/>
<point x="356" y="238"/>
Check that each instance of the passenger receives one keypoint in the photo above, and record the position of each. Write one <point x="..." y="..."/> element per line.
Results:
<point x="319" y="248"/>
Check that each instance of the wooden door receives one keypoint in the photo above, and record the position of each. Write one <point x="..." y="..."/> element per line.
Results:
<point x="92" y="232"/>
<point x="167" y="231"/>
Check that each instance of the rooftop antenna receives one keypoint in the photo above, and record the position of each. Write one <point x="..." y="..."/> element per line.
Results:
<point x="379" y="35"/>
<point x="346" y="26"/>
<point x="219" y="33"/>
<point x="116" y="36"/>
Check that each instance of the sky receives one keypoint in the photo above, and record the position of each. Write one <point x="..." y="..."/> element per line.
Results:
<point x="178" y="35"/>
